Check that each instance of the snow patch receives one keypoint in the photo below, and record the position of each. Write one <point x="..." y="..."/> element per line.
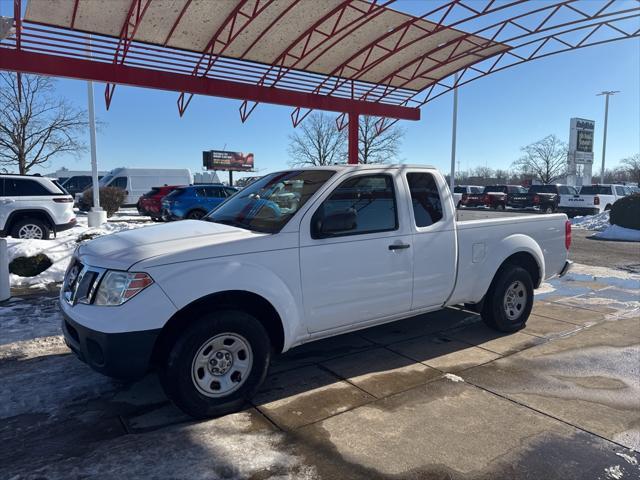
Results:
<point x="614" y="472"/>
<point x="616" y="232"/>
<point x="60" y="249"/>
<point x="453" y="378"/>
<point x="628" y="458"/>
<point x="596" y="222"/>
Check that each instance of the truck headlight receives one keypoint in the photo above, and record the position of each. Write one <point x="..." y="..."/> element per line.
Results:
<point x="118" y="287"/>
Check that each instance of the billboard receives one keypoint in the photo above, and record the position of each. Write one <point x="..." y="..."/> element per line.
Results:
<point x="227" y="161"/>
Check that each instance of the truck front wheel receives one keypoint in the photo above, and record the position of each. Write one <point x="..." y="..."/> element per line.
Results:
<point x="217" y="364"/>
<point x="509" y="300"/>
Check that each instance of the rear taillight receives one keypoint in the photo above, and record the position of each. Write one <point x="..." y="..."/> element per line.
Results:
<point x="486" y="199"/>
<point x="536" y="199"/>
<point x="567" y="234"/>
<point x="596" y="200"/>
<point x="63" y="200"/>
<point x="464" y="198"/>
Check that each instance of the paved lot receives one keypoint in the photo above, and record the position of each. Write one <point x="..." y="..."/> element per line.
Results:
<point x="584" y="250"/>
<point x="437" y="396"/>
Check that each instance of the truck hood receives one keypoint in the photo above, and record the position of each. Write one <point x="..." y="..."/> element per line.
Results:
<point x="161" y="243"/>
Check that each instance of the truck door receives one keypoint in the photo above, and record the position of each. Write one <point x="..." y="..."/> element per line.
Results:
<point x="355" y="253"/>
<point x="434" y="240"/>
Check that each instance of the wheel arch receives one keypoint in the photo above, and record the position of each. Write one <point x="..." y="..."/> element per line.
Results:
<point x="249" y="302"/>
<point x="28" y="213"/>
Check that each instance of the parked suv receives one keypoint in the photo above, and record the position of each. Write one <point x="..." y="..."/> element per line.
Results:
<point x="194" y="201"/>
<point x="151" y="202"/>
<point x="33" y="206"/>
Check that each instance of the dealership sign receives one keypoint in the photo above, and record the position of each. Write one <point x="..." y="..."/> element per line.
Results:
<point x="230" y="161"/>
<point x="581" y="141"/>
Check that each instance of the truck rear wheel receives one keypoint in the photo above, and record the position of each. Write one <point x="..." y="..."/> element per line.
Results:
<point x="217" y="364"/>
<point x="508" y="302"/>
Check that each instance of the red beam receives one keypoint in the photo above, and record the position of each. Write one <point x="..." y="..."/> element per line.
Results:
<point x="57" y="66"/>
<point x="354" y="121"/>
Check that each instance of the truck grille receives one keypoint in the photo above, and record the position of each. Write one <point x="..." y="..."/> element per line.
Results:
<point x="80" y="282"/>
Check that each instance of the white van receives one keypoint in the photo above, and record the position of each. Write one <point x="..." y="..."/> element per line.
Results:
<point x="138" y="181"/>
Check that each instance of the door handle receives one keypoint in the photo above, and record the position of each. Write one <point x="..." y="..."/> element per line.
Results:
<point x="399" y="246"/>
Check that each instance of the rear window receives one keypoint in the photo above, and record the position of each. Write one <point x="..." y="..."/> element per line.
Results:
<point x="543" y="189"/>
<point x="152" y="192"/>
<point x="595" y="190"/>
<point x="460" y="190"/>
<point x="176" y="193"/>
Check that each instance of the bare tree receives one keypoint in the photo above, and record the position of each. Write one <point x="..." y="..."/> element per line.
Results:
<point x="632" y="166"/>
<point x="374" y="147"/>
<point x="35" y="125"/>
<point x="318" y="143"/>
<point x="483" y="172"/>
<point x="545" y="159"/>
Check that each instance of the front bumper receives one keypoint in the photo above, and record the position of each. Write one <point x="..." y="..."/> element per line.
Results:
<point x="119" y="355"/>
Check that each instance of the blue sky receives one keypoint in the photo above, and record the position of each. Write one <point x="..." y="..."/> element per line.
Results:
<point x="497" y="116"/>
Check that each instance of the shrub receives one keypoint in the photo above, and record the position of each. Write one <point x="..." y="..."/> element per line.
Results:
<point x="626" y="212"/>
<point x="30" y="266"/>
<point x="111" y="199"/>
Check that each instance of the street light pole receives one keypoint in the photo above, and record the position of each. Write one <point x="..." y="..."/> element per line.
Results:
<point x="452" y="174"/>
<point x="606" y="94"/>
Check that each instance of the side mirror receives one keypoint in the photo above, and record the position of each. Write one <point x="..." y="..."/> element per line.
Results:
<point x="336" y="223"/>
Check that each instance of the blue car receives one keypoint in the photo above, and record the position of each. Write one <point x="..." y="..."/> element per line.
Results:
<point x="194" y="201"/>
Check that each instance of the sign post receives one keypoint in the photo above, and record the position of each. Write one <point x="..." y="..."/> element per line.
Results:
<point x="580" y="151"/>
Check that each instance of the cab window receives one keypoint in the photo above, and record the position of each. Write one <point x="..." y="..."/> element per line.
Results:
<point x="427" y="206"/>
<point x="359" y="205"/>
<point x="119" y="182"/>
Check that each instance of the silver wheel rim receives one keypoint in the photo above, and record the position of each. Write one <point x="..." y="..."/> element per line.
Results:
<point x="222" y="365"/>
<point x="515" y="300"/>
<point x="30" y="231"/>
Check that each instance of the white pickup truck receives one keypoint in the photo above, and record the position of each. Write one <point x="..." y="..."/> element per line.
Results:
<point x="593" y="199"/>
<point x="207" y="302"/>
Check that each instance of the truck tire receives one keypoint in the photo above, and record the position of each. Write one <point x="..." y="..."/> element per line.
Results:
<point x="30" y="228"/>
<point x="217" y="364"/>
<point x="549" y="209"/>
<point x="500" y="207"/>
<point x="508" y="302"/>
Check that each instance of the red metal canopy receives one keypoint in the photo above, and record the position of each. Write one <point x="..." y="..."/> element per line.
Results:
<point x="350" y="56"/>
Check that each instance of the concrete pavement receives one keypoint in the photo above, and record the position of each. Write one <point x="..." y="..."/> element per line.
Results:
<point x="437" y="396"/>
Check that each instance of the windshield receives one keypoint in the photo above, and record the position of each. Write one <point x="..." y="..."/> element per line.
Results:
<point x="543" y="189"/>
<point x="595" y="190"/>
<point x="267" y="204"/>
<point x="104" y="181"/>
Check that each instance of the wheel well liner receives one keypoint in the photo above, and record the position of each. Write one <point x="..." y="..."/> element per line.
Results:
<point x="28" y="213"/>
<point x="526" y="261"/>
<point x="248" y="302"/>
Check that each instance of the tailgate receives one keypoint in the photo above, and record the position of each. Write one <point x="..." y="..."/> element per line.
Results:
<point x="576" y="201"/>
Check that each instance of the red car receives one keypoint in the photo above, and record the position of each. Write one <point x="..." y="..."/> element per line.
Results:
<point x="151" y="202"/>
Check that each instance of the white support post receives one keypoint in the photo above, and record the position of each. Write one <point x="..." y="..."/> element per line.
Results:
<point x="5" y="291"/>
<point x="452" y="179"/>
<point x="97" y="216"/>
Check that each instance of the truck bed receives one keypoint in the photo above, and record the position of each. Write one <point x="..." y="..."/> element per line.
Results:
<point x="484" y="244"/>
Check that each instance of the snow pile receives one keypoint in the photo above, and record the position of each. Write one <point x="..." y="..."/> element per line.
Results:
<point x="616" y="232"/>
<point x="596" y="222"/>
<point x="60" y="249"/>
<point x="453" y="378"/>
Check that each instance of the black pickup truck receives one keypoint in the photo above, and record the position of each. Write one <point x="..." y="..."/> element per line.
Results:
<point x="545" y="198"/>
